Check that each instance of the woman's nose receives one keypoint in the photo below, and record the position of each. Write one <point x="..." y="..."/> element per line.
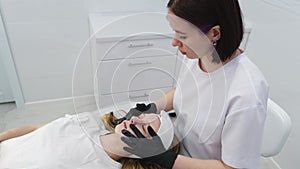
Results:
<point x="176" y="42"/>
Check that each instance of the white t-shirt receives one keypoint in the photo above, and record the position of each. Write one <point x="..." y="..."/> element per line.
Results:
<point x="70" y="142"/>
<point x="220" y="115"/>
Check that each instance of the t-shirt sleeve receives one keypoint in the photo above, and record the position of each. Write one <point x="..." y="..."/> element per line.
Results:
<point x="242" y="137"/>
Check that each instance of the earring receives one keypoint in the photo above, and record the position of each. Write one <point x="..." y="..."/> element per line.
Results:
<point x="214" y="43"/>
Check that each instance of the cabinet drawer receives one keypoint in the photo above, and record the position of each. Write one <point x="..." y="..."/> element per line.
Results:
<point x="134" y="49"/>
<point x="135" y="74"/>
<point x="136" y="96"/>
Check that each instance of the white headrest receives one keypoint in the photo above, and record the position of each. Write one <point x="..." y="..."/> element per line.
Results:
<point x="166" y="130"/>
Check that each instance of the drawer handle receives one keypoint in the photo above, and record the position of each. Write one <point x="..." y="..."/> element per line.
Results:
<point x="139" y="64"/>
<point x="140" y="45"/>
<point x="138" y="96"/>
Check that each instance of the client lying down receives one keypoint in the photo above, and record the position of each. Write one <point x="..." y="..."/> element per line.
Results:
<point x="80" y="141"/>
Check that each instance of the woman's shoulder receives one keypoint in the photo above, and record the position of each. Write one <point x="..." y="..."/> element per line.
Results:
<point x="247" y="84"/>
<point x="245" y="73"/>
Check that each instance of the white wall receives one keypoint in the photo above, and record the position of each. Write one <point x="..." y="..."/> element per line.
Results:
<point x="127" y="5"/>
<point x="274" y="45"/>
<point x="46" y="36"/>
<point x="6" y="94"/>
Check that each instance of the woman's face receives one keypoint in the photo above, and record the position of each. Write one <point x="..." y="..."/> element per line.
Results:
<point x="190" y="41"/>
<point x="141" y="122"/>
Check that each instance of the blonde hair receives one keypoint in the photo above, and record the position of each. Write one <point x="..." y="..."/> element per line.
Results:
<point x="110" y="122"/>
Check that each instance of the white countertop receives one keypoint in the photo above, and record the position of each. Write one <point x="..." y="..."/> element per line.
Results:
<point x="127" y="25"/>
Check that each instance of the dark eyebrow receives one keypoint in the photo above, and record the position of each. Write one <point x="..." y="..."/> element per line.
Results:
<point x="179" y="32"/>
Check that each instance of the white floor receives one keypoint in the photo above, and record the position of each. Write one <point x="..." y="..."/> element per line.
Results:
<point x="43" y="113"/>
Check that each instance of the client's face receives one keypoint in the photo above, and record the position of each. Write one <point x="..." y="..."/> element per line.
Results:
<point x="141" y="122"/>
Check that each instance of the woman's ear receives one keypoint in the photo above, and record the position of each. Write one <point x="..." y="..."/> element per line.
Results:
<point x="214" y="34"/>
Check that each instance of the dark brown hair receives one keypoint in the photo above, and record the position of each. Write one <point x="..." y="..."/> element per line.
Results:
<point x="110" y="122"/>
<point x="225" y="13"/>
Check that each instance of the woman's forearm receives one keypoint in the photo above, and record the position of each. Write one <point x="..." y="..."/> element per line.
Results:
<point x="165" y="102"/>
<point x="16" y="132"/>
<point x="192" y="163"/>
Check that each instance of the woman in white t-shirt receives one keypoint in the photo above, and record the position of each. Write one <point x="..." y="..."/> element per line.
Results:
<point x="80" y="141"/>
<point x="221" y="97"/>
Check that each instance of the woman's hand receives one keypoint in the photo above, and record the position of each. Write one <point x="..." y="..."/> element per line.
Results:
<point x="142" y="146"/>
<point x="2" y="136"/>
<point x="149" y="149"/>
<point x="138" y="110"/>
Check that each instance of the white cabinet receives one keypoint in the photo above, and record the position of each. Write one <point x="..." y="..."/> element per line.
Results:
<point x="133" y="57"/>
<point x="155" y="45"/>
<point x="129" y="70"/>
<point x="115" y="76"/>
<point x="133" y="66"/>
